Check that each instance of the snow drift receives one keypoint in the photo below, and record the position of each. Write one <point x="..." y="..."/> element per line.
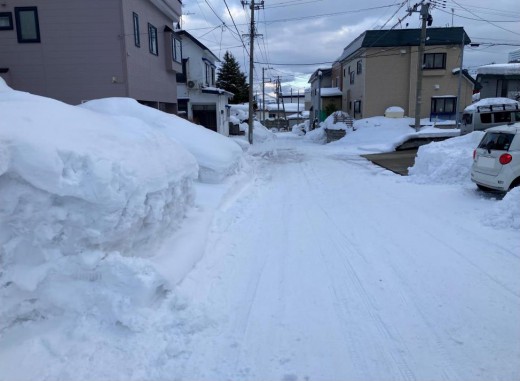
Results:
<point x="217" y="156"/>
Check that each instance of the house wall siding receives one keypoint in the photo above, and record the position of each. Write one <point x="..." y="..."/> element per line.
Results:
<point x="87" y="51"/>
<point x="149" y="77"/>
<point x="388" y="74"/>
<point x="79" y="52"/>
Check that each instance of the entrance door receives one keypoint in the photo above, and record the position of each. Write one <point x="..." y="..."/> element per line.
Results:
<point x="205" y="115"/>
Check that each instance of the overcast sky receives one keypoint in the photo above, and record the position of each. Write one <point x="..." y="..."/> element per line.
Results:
<point x="298" y="36"/>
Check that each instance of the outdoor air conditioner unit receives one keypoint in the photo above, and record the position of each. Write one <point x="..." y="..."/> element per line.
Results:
<point x="192" y="84"/>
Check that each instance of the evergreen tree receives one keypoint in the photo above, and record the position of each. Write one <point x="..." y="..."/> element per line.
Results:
<point x="230" y="78"/>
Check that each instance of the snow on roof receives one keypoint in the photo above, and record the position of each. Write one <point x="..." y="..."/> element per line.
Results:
<point x="330" y="92"/>
<point x="289" y="107"/>
<point x="500" y="69"/>
<point x="486" y="102"/>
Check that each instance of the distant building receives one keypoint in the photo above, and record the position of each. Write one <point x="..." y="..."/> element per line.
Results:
<point x="499" y="80"/>
<point x="514" y="56"/>
<point x="199" y="99"/>
<point x="380" y="71"/>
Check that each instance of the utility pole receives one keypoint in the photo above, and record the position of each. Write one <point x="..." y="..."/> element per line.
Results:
<point x="457" y="116"/>
<point x="252" y="7"/>
<point x="263" y="94"/>
<point x="425" y="17"/>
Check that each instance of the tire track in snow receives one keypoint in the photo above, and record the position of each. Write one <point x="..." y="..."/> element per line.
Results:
<point x="345" y="245"/>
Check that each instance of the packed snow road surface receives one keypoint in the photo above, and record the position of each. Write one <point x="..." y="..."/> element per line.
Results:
<point x="330" y="268"/>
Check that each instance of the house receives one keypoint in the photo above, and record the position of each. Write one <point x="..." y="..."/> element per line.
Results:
<point x="319" y="79"/>
<point x="499" y="81"/>
<point x="284" y="110"/>
<point x="199" y="100"/>
<point x="325" y="99"/>
<point x="380" y="70"/>
<point x="76" y="50"/>
<point x="292" y="96"/>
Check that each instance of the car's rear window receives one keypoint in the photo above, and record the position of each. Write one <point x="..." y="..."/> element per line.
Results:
<point x="497" y="141"/>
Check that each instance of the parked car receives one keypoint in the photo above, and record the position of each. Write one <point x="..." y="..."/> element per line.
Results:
<point x="496" y="160"/>
<point x="489" y="112"/>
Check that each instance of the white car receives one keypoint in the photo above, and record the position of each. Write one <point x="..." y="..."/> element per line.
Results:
<point x="496" y="160"/>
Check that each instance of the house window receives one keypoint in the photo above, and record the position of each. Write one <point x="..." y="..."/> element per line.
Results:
<point x="177" y="49"/>
<point x="27" y="26"/>
<point x="434" y="61"/>
<point x="357" y="107"/>
<point x="352" y="74"/>
<point x="137" y="35"/>
<point x="6" y="21"/>
<point x="212" y="76"/>
<point x="444" y="105"/>
<point x="359" y="67"/>
<point x="208" y="74"/>
<point x="344" y="72"/>
<point x="152" y="40"/>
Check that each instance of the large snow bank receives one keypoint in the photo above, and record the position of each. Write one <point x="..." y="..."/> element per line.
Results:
<point x="446" y="162"/>
<point x="217" y="155"/>
<point x="82" y="194"/>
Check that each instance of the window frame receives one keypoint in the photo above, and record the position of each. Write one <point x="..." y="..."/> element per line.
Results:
<point x="435" y="103"/>
<point x="153" y="41"/>
<point x="19" y="32"/>
<point x="137" y="33"/>
<point x="176" y="46"/>
<point x="352" y="77"/>
<point x="435" y="65"/>
<point x="359" y="67"/>
<point x="9" y="17"/>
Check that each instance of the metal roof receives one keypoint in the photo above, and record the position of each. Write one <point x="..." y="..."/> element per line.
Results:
<point x="405" y="37"/>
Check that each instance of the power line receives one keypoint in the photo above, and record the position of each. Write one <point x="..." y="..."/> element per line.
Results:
<point x="489" y="22"/>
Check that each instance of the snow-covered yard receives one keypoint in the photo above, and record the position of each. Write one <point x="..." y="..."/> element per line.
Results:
<point x="137" y="246"/>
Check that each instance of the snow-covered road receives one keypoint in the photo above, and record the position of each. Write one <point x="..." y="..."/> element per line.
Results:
<point x="327" y="267"/>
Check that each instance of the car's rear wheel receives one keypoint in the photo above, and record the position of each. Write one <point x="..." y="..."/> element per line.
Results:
<point x="515" y="183"/>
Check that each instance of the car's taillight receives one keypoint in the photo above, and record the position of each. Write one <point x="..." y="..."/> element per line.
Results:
<point x="474" y="153"/>
<point x="505" y="159"/>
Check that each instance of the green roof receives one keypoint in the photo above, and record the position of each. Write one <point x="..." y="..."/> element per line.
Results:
<point x="405" y="37"/>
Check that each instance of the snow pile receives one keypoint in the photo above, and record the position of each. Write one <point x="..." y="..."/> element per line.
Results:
<point x="260" y="133"/>
<point x="379" y="134"/>
<point x="446" y="162"/>
<point x="376" y="134"/>
<point x="394" y="112"/>
<point x="217" y="155"/>
<point x="317" y="136"/>
<point x="506" y="213"/>
<point x="78" y="190"/>
<point x="299" y="129"/>
<point x="330" y="125"/>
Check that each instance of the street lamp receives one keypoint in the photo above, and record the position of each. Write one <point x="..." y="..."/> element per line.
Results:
<point x="320" y="74"/>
